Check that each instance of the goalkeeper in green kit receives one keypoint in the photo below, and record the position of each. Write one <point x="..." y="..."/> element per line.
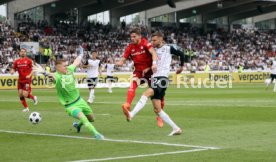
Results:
<point x="69" y="95"/>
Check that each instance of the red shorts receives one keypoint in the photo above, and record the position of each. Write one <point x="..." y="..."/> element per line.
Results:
<point x="24" y="86"/>
<point x="145" y="78"/>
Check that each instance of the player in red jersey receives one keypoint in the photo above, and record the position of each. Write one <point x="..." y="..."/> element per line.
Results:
<point x="24" y="67"/>
<point x="144" y="57"/>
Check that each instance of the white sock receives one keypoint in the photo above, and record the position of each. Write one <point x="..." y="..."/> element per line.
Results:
<point x="140" y="104"/>
<point x="109" y="86"/>
<point x="274" y="87"/>
<point x="91" y="93"/>
<point x="164" y="116"/>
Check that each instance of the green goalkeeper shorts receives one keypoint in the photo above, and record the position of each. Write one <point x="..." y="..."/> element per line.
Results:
<point x="80" y="105"/>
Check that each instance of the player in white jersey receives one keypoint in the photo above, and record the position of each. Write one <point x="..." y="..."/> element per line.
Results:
<point x="109" y="72"/>
<point x="160" y="82"/>
<point x="93" y="72"/>
<point x="272" y="75"/>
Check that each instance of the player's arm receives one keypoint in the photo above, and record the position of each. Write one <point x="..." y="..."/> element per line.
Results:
<point x="31" y="74"/>
<point x="121" y="62"/>
<point x="40" y="70"/>
<point x="14" y="68"/>
<point x="113" y="69"/>
<point x="154" y="58"/>
<point x="270" y="64"/>
<point x="180" y="54"/>
<point x="12" y="71"/>
<point x="100" y="68"/>
<point x="77" y="61"/>
<point x="87" y="65"/>
<point x="125" y="57"/>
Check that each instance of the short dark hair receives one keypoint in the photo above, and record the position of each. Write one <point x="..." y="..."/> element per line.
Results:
<point x="136" y="31"/>
<point x="23" y="49"/>
<point x="158" y="34"/>
<point x="59" y="61"/>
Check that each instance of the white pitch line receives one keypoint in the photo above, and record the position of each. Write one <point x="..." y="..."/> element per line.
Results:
<point x="198" y="148"/>
<point x="172" y="104"/>
<point x="161" y="143"/>
<point x="139" y="156"/>
<point x="111" y="140"/>
<point x="104" y="114"/>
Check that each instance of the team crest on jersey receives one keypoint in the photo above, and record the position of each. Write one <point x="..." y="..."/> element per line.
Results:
<point x="25" y="62"/>
<point x="142" y="47"/>
<point x="132" y="50"/>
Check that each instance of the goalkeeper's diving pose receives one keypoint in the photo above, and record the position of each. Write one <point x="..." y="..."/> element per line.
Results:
<point x="69" y="95"/>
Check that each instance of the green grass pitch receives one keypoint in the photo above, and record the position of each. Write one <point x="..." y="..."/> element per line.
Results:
<point x="241" y="122"/>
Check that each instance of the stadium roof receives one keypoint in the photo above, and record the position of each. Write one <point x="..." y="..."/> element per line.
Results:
<point x="4" y="1"/>
<point x="90" y="7"/>
<point x="235" y="9"/>
<point x="232" y="8"/>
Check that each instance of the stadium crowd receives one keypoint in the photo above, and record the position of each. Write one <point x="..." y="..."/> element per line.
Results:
<point x="215" y="51"/>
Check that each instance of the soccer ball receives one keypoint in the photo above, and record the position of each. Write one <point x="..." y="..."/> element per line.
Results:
<point x="35" y="118"/>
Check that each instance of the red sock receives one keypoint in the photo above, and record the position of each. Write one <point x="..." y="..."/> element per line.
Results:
<point x="131" y="92"/>
<point x="162" y="103"/>
<point x="30" y="96"/>
<point x="23" y="101"/>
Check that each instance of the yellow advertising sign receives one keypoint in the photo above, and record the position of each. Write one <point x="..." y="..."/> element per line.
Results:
<point x="196" y="78"/>
<point x="10" y="82"/>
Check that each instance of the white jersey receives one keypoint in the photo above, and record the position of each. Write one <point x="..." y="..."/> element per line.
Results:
<point x="164" y="59"/>
<point x="93" y="69"/>
<point x="273" y="68"/>
<point x="109" y="69"/>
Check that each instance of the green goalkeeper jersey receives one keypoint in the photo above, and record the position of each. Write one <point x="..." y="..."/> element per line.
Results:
<point x="66" y="86"/>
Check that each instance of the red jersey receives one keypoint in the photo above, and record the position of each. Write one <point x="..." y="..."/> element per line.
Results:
<point x="140" y="54"/>
<point x="24" y="68"/>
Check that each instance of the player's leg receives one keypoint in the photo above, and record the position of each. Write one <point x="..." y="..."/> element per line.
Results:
<point x="109" y="83"/>
<point x="131" y="93"/>
<point x="271" y="80"/>
<point x="91" y="95"/>
<point x="160" y="123"/>
<point x="164" y="116"/>
<point x="149" y="80"/>
<point x="23" y="101"/>
<point x="274" y="89"/>
<point x="20" y="87"/>
<point x="78" y="114"/>
<point x="91" y="85"/>
<point x="79" y="124"/>
<point x="30" y="96"/>
<point x="25" y="95"/>
<point x="163" y="103"/>
<point x="140" y="104"/>
<point x="87" y="112"/>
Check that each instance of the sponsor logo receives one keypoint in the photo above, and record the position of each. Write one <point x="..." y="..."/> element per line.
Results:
<point x="138" y="53"/>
